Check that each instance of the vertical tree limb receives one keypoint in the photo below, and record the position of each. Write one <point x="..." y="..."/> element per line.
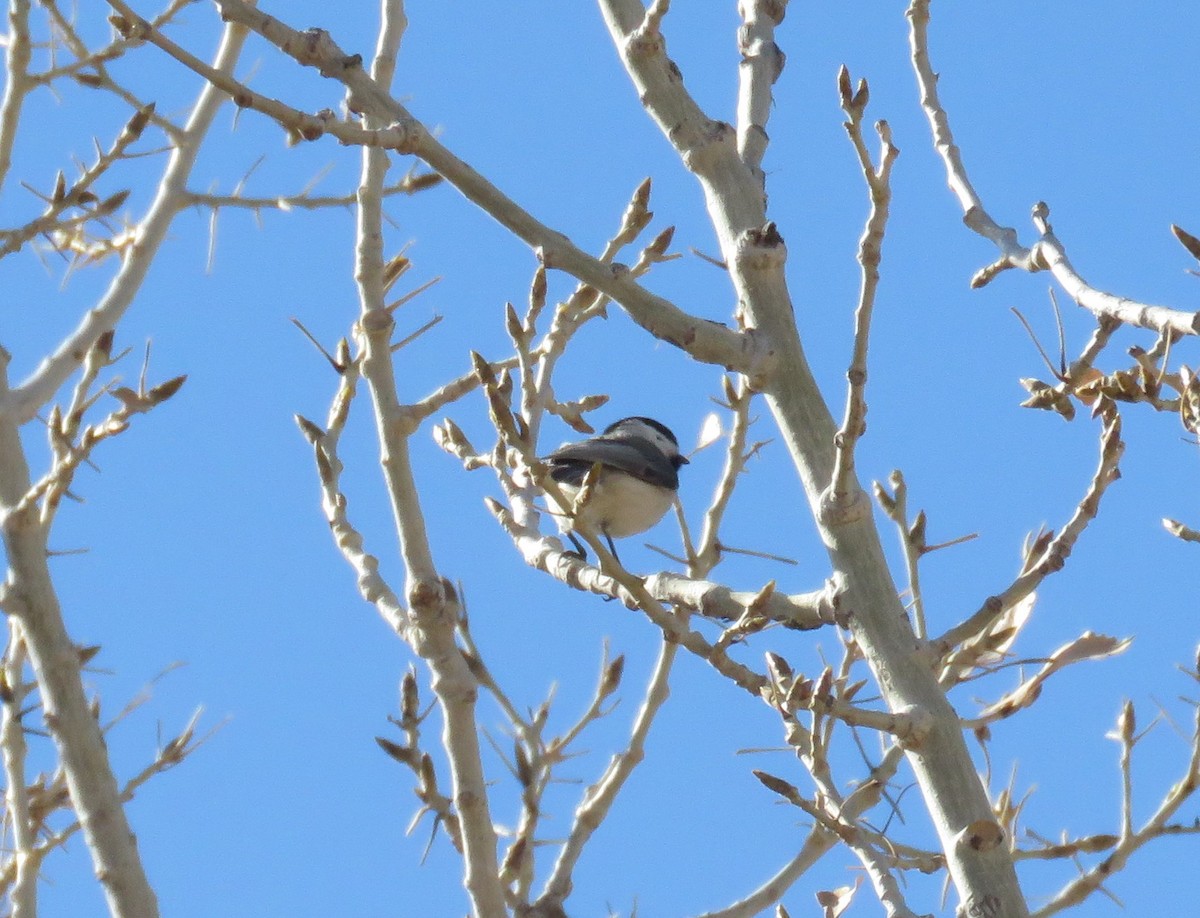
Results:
<point x="17" y="83"/>
<point x="32" y="599"/>
<point x="762" y="63"/>
<point x="33" y="602"/>
<point x="433" y="601"/>
<point x="870" y="254"/>
<point x="23" y="894"/>
<point x="981" y="867"/>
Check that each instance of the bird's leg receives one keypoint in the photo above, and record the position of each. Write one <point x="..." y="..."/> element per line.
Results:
<point x="611" y="546"/>
<point x="579" y="548"/>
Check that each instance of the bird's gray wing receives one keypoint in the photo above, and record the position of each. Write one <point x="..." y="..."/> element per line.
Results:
<point x="571" y="462"/>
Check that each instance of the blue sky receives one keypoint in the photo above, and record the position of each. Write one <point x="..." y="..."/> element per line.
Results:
<point x="206" y="544"/>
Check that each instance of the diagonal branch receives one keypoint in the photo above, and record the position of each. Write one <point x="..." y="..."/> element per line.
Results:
<point x="1131" y="840"/>
<point x="397" y="129"/>
<point x="1049" y="554"/>
<point x="1047" y="254"/>
<point x="600" y="796"/>
<point x="24" y="401"/>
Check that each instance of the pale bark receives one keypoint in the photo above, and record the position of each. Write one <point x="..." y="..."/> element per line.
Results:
<point x="982" y="869"/>
<point x="30" y="595"/>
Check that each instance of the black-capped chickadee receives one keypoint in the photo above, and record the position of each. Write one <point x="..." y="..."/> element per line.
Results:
<point x="639" y="463"/>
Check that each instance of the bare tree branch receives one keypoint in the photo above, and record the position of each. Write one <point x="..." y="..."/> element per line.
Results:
<point x="706" y="341"/>
<point x="844" y="490"/>
<point x="24" y="401"/>
<point x="17" y="84"/>
<point x="762" y="63"/>
<point x="1047" y="254"/>
<point x="1050" y="553"/>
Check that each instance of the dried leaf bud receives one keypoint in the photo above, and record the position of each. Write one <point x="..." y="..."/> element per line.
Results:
<point x="611" y="680"/>
<point x="312" y="432"/>
<point x="637" y="214"/>
<point x="1187" y="240"/>
<point x="779" y="669"/>
<point x="164" y="391"/>
<point x="55" y="423"/>
<point x="641" y="195"/>
<point x="427" y="772"/>
<point x="415" y="183"/>
<point x="537" y="290"/>
<point x="137" y="124"/>
<point x="882" y="498"/>
<point x="111" y="203"/>
<point x="522" y="765"/>
<point x="449" y="436"/>
<point x="798" y="695"/>
<point x="410" y="699"/>
<point x="761" y="599"/>
<point x="777" y="785"/>
<point x="729" y="389"/>
<point x="853" y="689"/>
<point x="916" y="532"/>
<point x="504" y="387"/>
<point x="482" y="369"/>
<point x="824" y="683"/>
<point x="513" y="858"/>
<point x="1127" y="723"/>
<point x="341" y="354"/>
<point x="60" y="188"/>
<point x="843" y="79"/>
<point x="401" y="754"/>
<point x="659" y="245"/>
<point x="103" y="344"/>
<point x="512" y="325"/>
<point x="396" y="268"/>
<point x="87" y="654"/>
<point x="861" y="96"/>
<point x="587" y="486"/>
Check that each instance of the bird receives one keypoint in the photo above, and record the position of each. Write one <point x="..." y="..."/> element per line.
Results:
<point x="639" y="463"/>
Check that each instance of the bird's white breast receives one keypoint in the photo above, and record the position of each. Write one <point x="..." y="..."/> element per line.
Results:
<point x="622" y="505"/>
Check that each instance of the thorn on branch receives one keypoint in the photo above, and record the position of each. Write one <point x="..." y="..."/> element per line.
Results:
<point x="338" y="365"/>
<point x="1180" y="531"/>
<point x="1187" y="240"/>
<point x="312" y="432"/>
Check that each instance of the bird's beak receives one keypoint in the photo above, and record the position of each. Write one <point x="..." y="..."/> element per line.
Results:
<point x="684" y="460"/>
